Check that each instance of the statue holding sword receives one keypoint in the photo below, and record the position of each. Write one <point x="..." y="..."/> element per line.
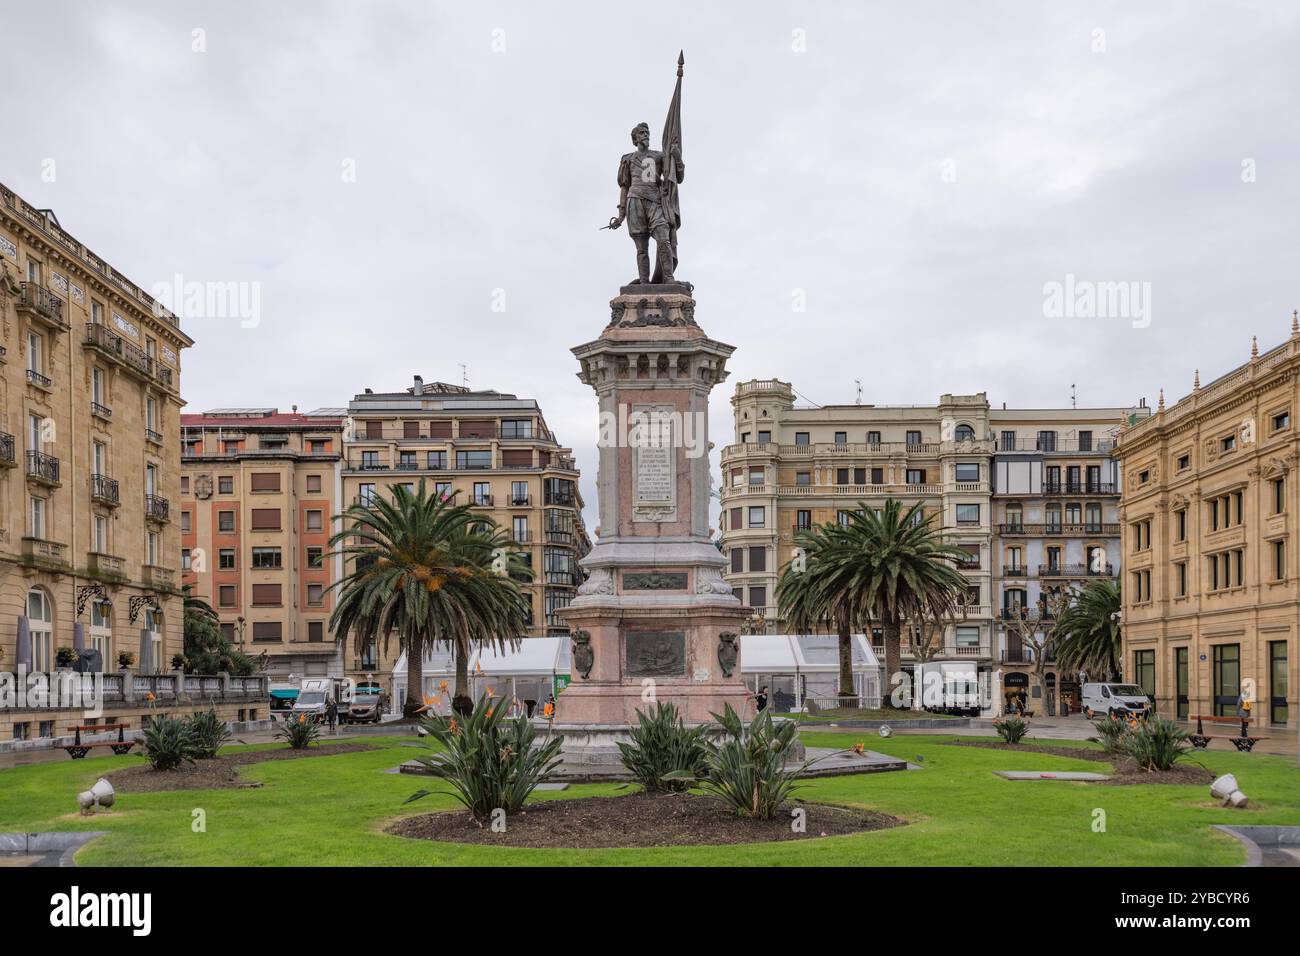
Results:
<point x="647" y="200"/>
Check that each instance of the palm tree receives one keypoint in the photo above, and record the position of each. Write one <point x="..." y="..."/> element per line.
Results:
<point x="886" y="565"/>
<point x="429" y="570"/>
<point x="1088" y="633"/>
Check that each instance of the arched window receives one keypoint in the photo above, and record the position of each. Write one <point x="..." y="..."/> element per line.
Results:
<point x="40" y="623"/>
<point x="964" y="433"/>
<point x="101" y="630"/>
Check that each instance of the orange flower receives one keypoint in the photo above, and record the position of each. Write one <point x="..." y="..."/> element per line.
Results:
<point x="442" y="685"/>
<point x="859" y="749"/>
<point x="489" y="711"/>
<point x="548" y="709"/>
<point x="302" y="718"/>
<point x="453" y="727"/>
<point x="149" y="696"/>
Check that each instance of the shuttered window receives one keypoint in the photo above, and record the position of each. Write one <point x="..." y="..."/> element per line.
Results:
<point x="266" y="519"/>
<point x="265" y="481"/>
<point x="266" y="630"/>
<point x="517" y="458"/>
<point x="266" y="595"/>
<point x="440" y="429"/>
<point x="374" y="429"/>
<point x="478" y="429"/>
<point x="410" y="429"/>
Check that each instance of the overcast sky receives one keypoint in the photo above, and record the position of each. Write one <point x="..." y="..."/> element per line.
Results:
<point x="911" y="174"/>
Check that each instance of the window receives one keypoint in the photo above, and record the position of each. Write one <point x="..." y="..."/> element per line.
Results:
<point x="315" y="595"/>
<point x="873" y="438"/>
<point x="1184" y="462"/>
<point x="1047" y="441"/>
<point x="1008" y="441"/>
<point x="1085" y="441"/>
<point x="315" y="631"/>
<point x="35" y="353"/>
<point x="374" y="429"/>
<point x="1281" y="420"/>
<point x="265" y="519"/>
<point x="185" y="559"/>
<point x="315" y="520"/>
<point x="226" y="559"/>
<point x="1279" y="560"/>
<point x="266" y="559"/>
<point x="518" y="493"/>
<point x="482" y="493"/>
<point x="187" y="522"/>
<point x="37" y="516"/>
<point x="1144" y="671"/>
<point x="1180" y="578"/>
<point x="803" y="478"/>
<point x="968" y="635"/>
<point x="843" y="518"/>
<point x="964" y="433"/>
<point x="1181" y="683"/>
<point x="185" y="484"/>
<point x="263" y="482"/>
<point x="757" y="516"/>
<point x="266" y="595"/>
<point x="737" y="560"/>
<point x="877" y="476"/>
<point x="1180" y="524"/>
<point x="1228" y="443"/>
<point x="968" y="472"/>
<point x="517" y="428"/>
<point x="758" y="559"/>
<point x="1279" y="495"/>
<point x="481" y="458"/>
<point x="1054" y="559"/>
<point x="968" y="514"/>
<point x="225" y="485"/>
<point x="1227" y="678"/>
<point x="315" y="558"/>
<point x="99" y="534"/>
<point x="802" y="520"/>
<point x="410" y="429"/>
<point x="764" y="437"/>
<point x="841" y="438"/>
<point x="801" y="438"/>
<point x="841" y="476"/>
<point x="313" y="484"/>
<point x="859" y="476"/>
<point x="40" y="624"/>
<point x="757" y="476"/>
<point x="436" y="459"/>
<point x="1277" y="683"/>
<point x="519" y="528"/>
<point x="916" y="476"/>
<point x="226" y="595"/>
<point x="1015" y="559"/>
<point x="152" y="542"/>
<point x="267" y="631"/>
<point x="913" y="438"/>
<point x="758" y="597"/>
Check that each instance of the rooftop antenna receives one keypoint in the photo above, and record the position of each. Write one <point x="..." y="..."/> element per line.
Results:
<point x="1074" y="398"/>
<point x="858" y="381"/>
<point x="464" y="375"/>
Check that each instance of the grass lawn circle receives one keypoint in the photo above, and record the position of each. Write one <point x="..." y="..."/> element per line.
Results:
<point x="219" y="773"/>
<point x="640" y="820"/>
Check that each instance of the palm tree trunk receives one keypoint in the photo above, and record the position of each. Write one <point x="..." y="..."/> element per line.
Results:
<point x="848" y="697"/>
<point x="460" y="696"/>
<point x="893" y="661"/>
<point x="414" y="674"/>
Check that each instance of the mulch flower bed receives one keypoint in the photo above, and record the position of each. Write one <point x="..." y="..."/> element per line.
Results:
<point x="639" y="820"/>
<point x="1125" y="772"/>
<point x="219" y="773"/>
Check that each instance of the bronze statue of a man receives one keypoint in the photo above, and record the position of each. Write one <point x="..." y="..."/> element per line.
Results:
<point x="644" y="202"/>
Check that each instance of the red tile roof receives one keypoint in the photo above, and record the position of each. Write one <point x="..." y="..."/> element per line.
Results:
<point x="277" y="420"/>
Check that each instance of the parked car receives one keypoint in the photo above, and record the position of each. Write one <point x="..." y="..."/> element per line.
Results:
<point x="365" y="709"/>
<point x="1119" y="700"/>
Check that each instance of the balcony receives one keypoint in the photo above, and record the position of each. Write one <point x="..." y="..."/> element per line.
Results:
<point x="100" y="410"/>
<point x="104" y="490"/>
<point x="7" y="450"/>
<point x="522" y="537"/>
<point x="43" y="468"/>
<point x="107" y="567"/>
<point x="1080" y="488"/>
<point x="40" y="381"/>
<point x="107" y="342"/>
<point x="1058" y="446"/>
<point x="1086" y="529"/>
<point x="1015" y="571"/>
<point x="43" y="305"/>
<point x="481" y="501"/>
<point x="519" y="501"/>
<point x="1074" y="571"/>
<point x="158" y="577"/>
<point x="157" y="508"/>
<point x="45" y="555"/>
<point x="153" y="436"/>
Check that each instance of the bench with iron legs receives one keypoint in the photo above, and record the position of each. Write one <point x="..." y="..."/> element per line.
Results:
<point x="1245" y="741"/>
<point x="78" y="749"/>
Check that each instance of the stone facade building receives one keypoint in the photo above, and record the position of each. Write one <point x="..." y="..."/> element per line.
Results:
<point x="1211" y="590"/>
<point x="258" y="491"/>
<point x="89" y="476"/>
<point x="491" y="450"/>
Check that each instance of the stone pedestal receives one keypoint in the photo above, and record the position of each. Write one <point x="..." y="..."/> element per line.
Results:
<point x="654" y="621"/>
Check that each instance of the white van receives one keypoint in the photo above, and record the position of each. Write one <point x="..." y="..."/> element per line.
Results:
<point x="1118" y="699"/>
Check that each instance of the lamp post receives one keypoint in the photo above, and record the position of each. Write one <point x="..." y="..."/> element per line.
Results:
<point x="241" y="622"/>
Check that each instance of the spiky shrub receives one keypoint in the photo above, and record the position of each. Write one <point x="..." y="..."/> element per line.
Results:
<point x="1157" y="744"/>
<point x="490" y="761"/>
<point x="168" y="742"/>
<point x="1011" y="729"/>
<point x="662" y="744"/>
<point x="1111" y="735"/>
<point x="749" y="770"/>
<point x="209" y="732"/>
<point x="299" y="731"/>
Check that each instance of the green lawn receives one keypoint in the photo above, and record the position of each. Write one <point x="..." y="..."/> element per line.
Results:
<point x="331" y="810"/>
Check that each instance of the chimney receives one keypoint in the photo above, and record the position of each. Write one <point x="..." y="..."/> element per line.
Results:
<point x="295" y="409"/>
<point x="419" y="385"/>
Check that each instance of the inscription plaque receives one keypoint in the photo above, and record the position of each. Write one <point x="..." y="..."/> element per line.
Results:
<point x="654" y="486"/>
<point x="654" y="654"/>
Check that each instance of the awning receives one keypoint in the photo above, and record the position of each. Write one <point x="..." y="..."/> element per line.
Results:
<point x="802" y="654"/>
<point x="285" y="693"/>
<point x="535" y="656"/>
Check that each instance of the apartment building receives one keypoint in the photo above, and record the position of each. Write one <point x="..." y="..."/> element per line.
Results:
<point x="791" y="468"/>
<point x="258" y="490"/>
<point x="1211" y="591"/>
<point x="489" y="449"/>
<point x="1056" y="527"/>
<point x="89" y="473"/>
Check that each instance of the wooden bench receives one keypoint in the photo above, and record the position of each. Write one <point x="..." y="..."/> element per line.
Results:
<point x="77" y="749"/>
<point x="1245" y="741"/>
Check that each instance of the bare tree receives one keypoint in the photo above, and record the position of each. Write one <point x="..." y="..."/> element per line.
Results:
<point x="1036" y="628"/>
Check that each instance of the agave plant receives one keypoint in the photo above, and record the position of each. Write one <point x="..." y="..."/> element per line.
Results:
<point x="168" y="742"/>
<point x="299" y="731"/>
<point x="1157" y="744"/>
<point x="490" y="761"/>
<point x="662" y="744"/>
<point x="209" y="732"/>
<point x="1111" y="734"/>
<point x="1012" y="729"/>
